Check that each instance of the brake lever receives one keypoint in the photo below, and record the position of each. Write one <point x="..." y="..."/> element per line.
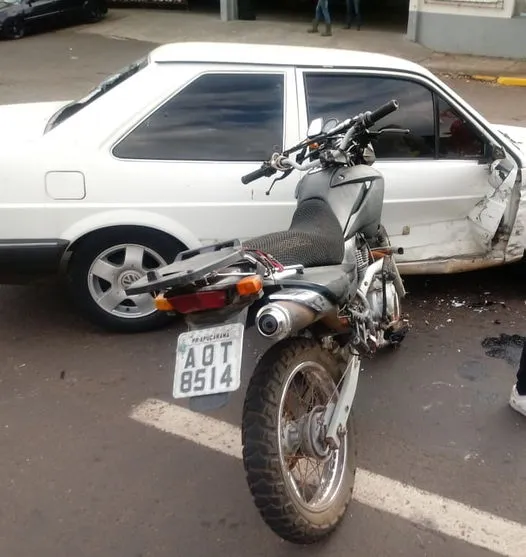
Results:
<point x="389" y="130"/>
<point x="282" y="177"/>
<point x="300" y="157"/>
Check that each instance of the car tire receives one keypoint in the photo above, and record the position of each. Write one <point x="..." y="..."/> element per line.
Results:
<point x="104" y="264"/>
<point x="93" y="11"/>
<point x="15" y="29"/>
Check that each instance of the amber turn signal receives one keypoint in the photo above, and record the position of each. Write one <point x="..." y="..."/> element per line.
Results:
<point x="162" y="304"/>
<point x="249" y="286"/>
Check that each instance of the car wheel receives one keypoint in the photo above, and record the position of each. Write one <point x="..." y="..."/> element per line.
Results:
<point x="15" y="29"/>
<point x="93" y="12"/>
<point x="103" y="266"/>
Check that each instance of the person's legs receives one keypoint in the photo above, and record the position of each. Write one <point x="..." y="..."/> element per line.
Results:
<point x="353" y="11"/>
<point x="324" y="6"/>
<point x="357" y="13"/>
<point x="348" y="14"/>
<point x="317" y="18"/>
<point x="322" y="12"/>
<point x="518" y="393"/>
<point x="319" y="10"/>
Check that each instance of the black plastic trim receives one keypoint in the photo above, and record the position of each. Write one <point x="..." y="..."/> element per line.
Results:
<point x="23" y="260"/>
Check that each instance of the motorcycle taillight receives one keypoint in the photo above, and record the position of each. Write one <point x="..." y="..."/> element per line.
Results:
<point x="190" y="303"/>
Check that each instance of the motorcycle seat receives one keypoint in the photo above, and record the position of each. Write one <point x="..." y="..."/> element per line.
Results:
<point x="314" y="238"/>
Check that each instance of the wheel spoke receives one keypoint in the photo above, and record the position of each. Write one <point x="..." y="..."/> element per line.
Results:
<point x="302" y="469"/>
<point x="320" y="469"/>
<point x="301" y="407"/>
<point x="105" y="270"/>
<point x="143" y="302"/>
<point x="311" y="480"/>
<point x="133" y="257"/>
<point x="310" y="392"/>
<point x="294" y="405"/>
<point x="313" y="470"/>
<point x="111" y="299"/>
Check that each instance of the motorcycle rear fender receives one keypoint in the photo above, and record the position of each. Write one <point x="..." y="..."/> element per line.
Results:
<point x="196" y="321"/>
<point x="320" y="289"/>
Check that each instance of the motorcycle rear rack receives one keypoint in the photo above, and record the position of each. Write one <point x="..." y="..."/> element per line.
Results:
<point x="190" y="266"/>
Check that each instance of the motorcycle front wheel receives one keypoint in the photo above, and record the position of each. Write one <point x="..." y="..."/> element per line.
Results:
<point x="300" y="487"/>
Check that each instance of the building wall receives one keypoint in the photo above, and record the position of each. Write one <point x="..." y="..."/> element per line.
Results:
<point x="479" y="27"/>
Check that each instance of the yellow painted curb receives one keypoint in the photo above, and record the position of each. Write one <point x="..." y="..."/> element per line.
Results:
<point x="484" y="77"/>
<point x="503" y="80"/>
<point x="512" y="81"/>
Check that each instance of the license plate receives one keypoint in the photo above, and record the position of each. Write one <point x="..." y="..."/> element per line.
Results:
<point x="208" y="361"/>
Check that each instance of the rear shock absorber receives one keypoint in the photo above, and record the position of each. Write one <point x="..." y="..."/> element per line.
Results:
<point x="362" y="260"/>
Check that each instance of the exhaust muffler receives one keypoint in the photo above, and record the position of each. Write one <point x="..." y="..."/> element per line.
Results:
<point x="284" y="318"/>
<point x="281" y="319"/>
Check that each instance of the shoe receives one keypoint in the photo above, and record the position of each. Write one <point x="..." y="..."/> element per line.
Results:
<point x="314" y="28"/>
<point x="517" y="401"/>
<point x="347" y="26"/>
<point x="328" y="30"/>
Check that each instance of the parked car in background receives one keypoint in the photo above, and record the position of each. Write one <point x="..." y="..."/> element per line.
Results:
<point x="17" y="16"/>
<point x="149" y="163"/>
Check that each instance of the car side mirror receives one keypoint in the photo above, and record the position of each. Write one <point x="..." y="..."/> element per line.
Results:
<point x="497" y="152"/>
<point x="315" y="128"/>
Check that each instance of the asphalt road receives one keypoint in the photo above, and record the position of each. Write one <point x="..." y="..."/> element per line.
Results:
<point x="79" y="477"/>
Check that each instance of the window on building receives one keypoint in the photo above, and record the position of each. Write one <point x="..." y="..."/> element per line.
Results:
<point x="343" y="95"/>
<point x="217" y="117"/>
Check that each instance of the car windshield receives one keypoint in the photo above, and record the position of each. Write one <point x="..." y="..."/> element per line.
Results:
<point x="109" y="83"/>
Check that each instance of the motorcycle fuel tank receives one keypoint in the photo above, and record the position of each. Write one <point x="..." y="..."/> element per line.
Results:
<point x="355" y="194"/>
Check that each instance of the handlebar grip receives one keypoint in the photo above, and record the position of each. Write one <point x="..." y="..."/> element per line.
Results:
<point x="373" y="117"/>
<point x="265" y="170"/>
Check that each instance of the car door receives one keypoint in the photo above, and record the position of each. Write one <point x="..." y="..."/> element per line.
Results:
<point x="188" y="155"/>
<point x="436" y="176"/>
<point x="40" y="9"/>
<point x="70" y="6"/>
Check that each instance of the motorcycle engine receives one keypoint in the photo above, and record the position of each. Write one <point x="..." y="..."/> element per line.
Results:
<point x="375" y="298"/>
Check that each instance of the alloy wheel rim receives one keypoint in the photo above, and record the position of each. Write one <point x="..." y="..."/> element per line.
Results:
<point x="116" y="269"/>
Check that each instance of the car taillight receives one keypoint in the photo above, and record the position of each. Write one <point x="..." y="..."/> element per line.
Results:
<point x="189" y="303"/>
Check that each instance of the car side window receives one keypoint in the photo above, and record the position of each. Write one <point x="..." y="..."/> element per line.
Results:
<point x="344" y="95"/>
<point x="457" y="139"/>
<point x="217" y="117"/>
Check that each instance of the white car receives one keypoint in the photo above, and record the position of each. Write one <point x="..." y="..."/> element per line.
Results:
<point x="149" y="163"/>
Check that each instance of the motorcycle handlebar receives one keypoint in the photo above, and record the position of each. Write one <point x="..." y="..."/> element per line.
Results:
<point x="265" y="170"/>
<point x="368" y="119"/>
<point x="386" y="109"/>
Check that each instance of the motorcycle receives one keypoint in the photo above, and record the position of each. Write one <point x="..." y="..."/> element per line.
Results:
<point x="325" y="293"/>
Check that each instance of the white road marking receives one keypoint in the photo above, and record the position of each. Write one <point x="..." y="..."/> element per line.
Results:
<point x="429" y="510"/>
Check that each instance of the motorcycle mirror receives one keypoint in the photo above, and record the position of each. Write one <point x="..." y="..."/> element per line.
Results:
<point x="315" y="128"/>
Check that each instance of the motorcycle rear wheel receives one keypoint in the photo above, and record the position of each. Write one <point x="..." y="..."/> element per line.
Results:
<point x="295" y="510"/>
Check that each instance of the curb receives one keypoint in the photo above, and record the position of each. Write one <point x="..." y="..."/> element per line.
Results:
<point x="501" y="80"/>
